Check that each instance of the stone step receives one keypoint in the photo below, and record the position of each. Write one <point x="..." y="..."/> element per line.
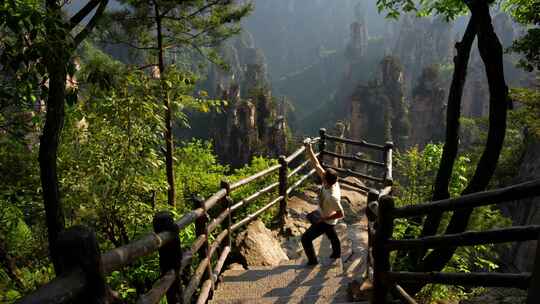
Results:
<point x="282" y="275"/>
<point x="268" y="287"/>
<point x="278" y="288"/>
<point x="337" y="298"/>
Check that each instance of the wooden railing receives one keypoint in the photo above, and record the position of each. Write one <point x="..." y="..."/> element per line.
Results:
<point x="382" y="212"/>
<point x="82" y="278"/>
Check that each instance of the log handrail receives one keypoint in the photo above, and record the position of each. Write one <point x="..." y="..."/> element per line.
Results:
<point x="361" y="143"/>
<point x="497" y="196"/>
<point x="517" y="280"/>
<point x="354" y="158"/>
<point x="469" y="238"/>
<point x="254" y="177"/>
<point x="354" y="173"/>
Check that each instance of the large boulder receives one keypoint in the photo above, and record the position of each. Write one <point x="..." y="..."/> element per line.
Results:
<point x="259" y="247"/>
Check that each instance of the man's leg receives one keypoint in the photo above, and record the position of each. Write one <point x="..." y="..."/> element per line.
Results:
<point x="313" y="232"/>
<point x="330" y="231"/>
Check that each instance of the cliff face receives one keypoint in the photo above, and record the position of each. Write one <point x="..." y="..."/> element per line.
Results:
<point x="420" y="43"/>
<point x="248" y="126"/>
<point x="377" y="110"/>
<point x="524" y="212"/>
<point x="427" y="109"/>
<point x="250" y="122"/>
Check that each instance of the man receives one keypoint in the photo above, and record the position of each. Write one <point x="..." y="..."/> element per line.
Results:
<point x="330" y="210"/>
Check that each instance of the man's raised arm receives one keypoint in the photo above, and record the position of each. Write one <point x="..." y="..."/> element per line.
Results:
<point x="314" y="160"/>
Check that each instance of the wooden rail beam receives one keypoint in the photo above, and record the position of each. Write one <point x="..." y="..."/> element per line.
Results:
<point x="517" y="280"/>
<point x="355" y="159"/>
<point x="159" y="288"/>
<point x="354" y="173"/>
<point x="402" y="294"/>
<point x="497" y="196"/>
<point x="361" y="143"/>
<point x="469" y="238"/>
<point x="353" y="185"/>
<point x="254" y="215"/>
<point x="122" y="256"/>
<point x="300" y="181"/>
<point x="254" y="177"/>
<point x="254" y="196"/>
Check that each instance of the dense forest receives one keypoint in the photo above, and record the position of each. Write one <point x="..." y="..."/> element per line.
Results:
<point x="113" y="110"/>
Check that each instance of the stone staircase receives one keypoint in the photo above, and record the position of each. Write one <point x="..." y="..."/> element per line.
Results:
<point x="291" y="282"/>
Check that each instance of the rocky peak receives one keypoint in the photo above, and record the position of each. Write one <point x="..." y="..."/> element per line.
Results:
<point x="378" y="109"/>
<point x="427" y="110"/>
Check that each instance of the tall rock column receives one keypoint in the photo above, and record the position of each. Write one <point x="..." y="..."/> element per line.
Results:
<point x="427" y="109"/>
<point x="378" y="111"/>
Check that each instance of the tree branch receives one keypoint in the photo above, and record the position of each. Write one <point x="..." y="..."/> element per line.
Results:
<point x="92" y="23"/>
<point x="81" y="14"/>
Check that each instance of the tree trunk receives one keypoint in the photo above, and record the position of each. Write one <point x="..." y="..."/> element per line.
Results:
<point x="48" y="150"/>
<point x="50" y="138"/>
<point x="492" y="55"/>
<point x="169" y="143"/>
<point x="453" y="113"/>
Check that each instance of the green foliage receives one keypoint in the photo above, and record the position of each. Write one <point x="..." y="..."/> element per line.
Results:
<point x="526" y="12"/>
<point x="417" y="171"/>
<point x="527" y="112"/>
<point x="188" y="25"/>
<point x="257" y="164"/>
<point x="450" y="9"/>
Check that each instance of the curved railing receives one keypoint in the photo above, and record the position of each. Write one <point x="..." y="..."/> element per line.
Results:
<point x="83" y="275"/>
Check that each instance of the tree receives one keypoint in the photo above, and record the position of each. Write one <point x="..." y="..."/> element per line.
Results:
<point x="527" y="13"/>
<point x="491" y="53"/>
<point x="41" y="41"/>
<point x="160" y="27"/>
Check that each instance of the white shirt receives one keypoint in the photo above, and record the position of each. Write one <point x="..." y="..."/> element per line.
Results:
<point x="330" y="202"/>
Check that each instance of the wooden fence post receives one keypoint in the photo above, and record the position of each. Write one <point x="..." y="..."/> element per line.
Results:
<point x="372" y="203"/>
<point x="170" y="254"/>
<point x="283" y="170"/>
<point x="533" y="296"/>
<point x="201" y="228"/>
<point x="388" y="150"/>
<point x="382" y="256"/>
<point x="322" y="143"/>
<point x="78" y="249"/>
<point x="228" y="203"/>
